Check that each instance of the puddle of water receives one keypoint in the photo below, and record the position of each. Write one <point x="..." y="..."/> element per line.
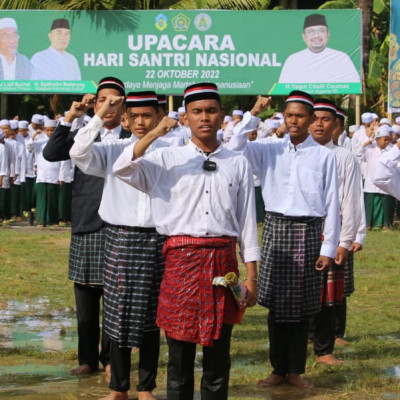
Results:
<point x="32" y="324"/>
<point x="31" y="374"/>
<point x="393" y="372"/>
<point x="390" y="338"/>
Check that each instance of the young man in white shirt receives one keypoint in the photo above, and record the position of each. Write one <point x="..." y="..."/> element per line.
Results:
<point x="134" y="263"/>
<point x="86" y="258"/>
<point x="47" y="180"/>
<point x="387" y="173"/>
<point x="202" y="199"/>
<point x="378" y="204"/>
<point x="299" y="186"/>
<point x="350" y="198"/>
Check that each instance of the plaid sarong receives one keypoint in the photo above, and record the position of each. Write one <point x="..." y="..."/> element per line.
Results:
<point x="349" y="275"/>
<point x="289" y="284"/>
<point x="86" y="258"/>
<point x="190" y="308"/>
<point x="134" y="266"/>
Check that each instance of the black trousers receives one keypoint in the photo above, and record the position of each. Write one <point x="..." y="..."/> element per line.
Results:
<point x="324" y="333"/>
<point x="340" y="319"/>
<point x="216" y="368"/>
<point x="87" y="300"/>
<point x="287" y="346"/>
<point x="148" y="364"/>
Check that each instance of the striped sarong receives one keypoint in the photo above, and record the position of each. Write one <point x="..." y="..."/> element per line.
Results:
<point x="332" y="292"/>
<point x="289" y="284"/>
<point x="134" y="266"/>
<point x="86" y="257"/>
<point x="190" y="308"/>
<point x="349" y="275"/>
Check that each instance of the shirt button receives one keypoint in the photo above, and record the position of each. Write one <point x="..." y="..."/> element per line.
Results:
<point x="206" y="191"/>
<point x="206" y="212"/>
<point x="206" y="233"/>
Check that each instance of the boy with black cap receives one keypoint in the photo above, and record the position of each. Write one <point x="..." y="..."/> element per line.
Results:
<point x="318" y="63"/>
<point x="55" y="63"/>
<point x="300" y="190"/>
<point x="211" y="190"/>
<point x="133" y="257"/>
<point x="86" y="259"/>
<point x="350" y="199"/>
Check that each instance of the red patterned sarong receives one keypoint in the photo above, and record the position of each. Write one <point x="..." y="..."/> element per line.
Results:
<point x="190" y="308"/>
<point x="332" y="292"/>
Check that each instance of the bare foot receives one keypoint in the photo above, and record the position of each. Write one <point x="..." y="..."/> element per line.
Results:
<point x="341" y="342"/>
<point x="145" y="396"/>
<point x="116" y="396"/>
<point x="298" y="381"/>
<point x="329" y="359"/>
<point x="83" y="369"/>
<point x="272" y="380"/>
<point x="107" y="369"/>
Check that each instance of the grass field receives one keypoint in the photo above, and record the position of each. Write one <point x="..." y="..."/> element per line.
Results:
<point x="34" y="263"/>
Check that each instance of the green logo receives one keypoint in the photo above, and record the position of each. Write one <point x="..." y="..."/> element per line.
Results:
<point x="202" y="22"/>
<point x="161" y="22"/>
<point x="181" y="22"/>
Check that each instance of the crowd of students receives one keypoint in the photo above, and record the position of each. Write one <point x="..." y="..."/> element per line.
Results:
<point x="159" y="201"/>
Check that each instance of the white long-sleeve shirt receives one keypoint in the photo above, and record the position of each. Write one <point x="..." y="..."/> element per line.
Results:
<point x="350" y="193"/>
<point x="4" y="167"/>
<point x="21" y="162"/>
<point x="387" y="173"/>
<point x="11" y="146"/>
<point x="66" y="171"/>
<point x="370" y="155"/>
<point x="188" y="200"/>
<point x="47" y="172"/>
<point x="120" y="204"/>
<point x="296" y="181"/>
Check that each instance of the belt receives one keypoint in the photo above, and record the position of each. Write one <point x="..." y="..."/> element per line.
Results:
<point x="291" y="218"/>
<point x="141" y="229"/>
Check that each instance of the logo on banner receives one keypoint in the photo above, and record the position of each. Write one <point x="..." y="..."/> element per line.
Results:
<point x="202" y="22"/>
<point x="180" y="22"/>
<point x="161" y="22"/>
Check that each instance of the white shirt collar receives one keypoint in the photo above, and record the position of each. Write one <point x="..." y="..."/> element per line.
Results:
<point x="198" y="150"/>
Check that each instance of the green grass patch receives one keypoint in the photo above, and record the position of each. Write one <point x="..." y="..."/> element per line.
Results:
<point x="34" y="265"/>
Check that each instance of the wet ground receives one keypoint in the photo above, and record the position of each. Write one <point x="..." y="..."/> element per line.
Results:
<point x="32" y="327"/>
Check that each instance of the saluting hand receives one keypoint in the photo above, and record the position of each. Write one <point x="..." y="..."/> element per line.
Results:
<point x="78" y="108"/>
<point x="261" y="105"/>
<point x="88" y="100"/>
<point x="111" y="104"/>
<point x="165" y="125"/>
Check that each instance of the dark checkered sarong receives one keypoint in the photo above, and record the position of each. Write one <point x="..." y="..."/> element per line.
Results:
<point x="289" y="284"/>
<point x="86" y="258"/>
<point x="190" y="308"/>
<point x="349" y="275"/>
<point x="132" y="277"/>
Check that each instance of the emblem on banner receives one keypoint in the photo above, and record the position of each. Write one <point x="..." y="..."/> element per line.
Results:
<point x="202" y="22"/>
<point x="161" y="22"/>
<point x="180" y="22"/>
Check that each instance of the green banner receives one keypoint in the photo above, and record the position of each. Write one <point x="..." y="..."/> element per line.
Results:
<point x="243" y="52"/>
